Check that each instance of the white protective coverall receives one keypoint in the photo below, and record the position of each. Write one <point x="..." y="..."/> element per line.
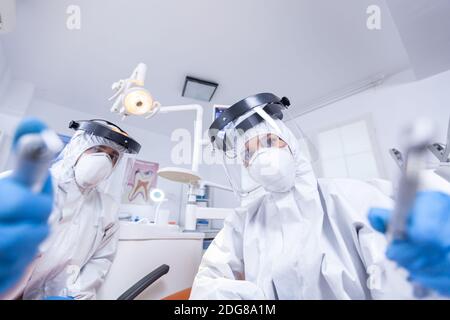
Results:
<point x="312" y="242"/>
<point x="76" y="257"/>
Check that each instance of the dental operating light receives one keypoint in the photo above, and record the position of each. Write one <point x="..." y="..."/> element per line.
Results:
<point x="131" y="98"/>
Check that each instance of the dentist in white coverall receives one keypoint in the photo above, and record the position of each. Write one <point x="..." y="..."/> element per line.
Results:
<point x="75" y="259"/>
<point x="305" y="238"/>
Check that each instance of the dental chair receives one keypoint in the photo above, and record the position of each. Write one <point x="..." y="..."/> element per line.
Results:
<point x="144" y="283"/>
<point x="134" y="291"/>
<point x="148" y="280"/>
<point x="181" y="295"/>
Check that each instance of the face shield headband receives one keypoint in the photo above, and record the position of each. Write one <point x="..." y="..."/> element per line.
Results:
<point x="273" y="107"/>
<point x="109" y="131"/>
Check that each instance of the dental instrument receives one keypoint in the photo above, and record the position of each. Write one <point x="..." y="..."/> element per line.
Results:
<point x="34" y="154"/>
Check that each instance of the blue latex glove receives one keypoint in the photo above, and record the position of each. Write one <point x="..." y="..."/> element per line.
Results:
<point x="59" y="298"/>
<point x="23" y="219"/>
<point x="425" y="252"/>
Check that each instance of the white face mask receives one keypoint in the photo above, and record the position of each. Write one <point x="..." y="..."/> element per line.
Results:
<point x="92" y="169"/>
<point x="273" y="168"/>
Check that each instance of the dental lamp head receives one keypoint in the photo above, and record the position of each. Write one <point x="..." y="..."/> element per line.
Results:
<point x="131" y="98"/>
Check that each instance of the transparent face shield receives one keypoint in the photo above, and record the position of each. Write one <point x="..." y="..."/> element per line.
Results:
<point x="85" y="142"/>
<point x="243" y="143"/>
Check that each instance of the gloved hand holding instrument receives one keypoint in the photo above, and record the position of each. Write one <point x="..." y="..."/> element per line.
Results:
<point x="419" y="227"/>
<point x="27" y="199"/>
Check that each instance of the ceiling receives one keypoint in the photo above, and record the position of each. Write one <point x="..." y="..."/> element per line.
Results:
<point x="303" y="49"/>
<point x="424" y="27"/>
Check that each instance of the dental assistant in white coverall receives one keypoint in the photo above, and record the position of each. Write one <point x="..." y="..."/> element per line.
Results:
<point x="76" y="257"/>
<point x="305" y="238"/>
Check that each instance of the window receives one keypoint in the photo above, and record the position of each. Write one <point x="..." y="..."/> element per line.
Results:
<point x="347" y="151"/>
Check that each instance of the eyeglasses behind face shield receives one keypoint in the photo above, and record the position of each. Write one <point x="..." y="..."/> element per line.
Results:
<point x="225" y="129"/>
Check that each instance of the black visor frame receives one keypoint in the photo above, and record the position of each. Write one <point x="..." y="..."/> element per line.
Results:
<point x="274" y="107"/>
<point x="96" y="128"/>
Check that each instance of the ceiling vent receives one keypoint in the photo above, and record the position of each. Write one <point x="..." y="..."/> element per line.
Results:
<point x="199" y="89"/>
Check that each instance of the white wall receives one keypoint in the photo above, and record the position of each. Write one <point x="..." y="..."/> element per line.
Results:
<point x="8" y="117"/>
<point x="4" y="74"/>
<point x="390" y="106"/>
<point x="8" y="124"/>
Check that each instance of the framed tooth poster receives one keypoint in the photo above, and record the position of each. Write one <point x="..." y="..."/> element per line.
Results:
<point x="140" y="177"/>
